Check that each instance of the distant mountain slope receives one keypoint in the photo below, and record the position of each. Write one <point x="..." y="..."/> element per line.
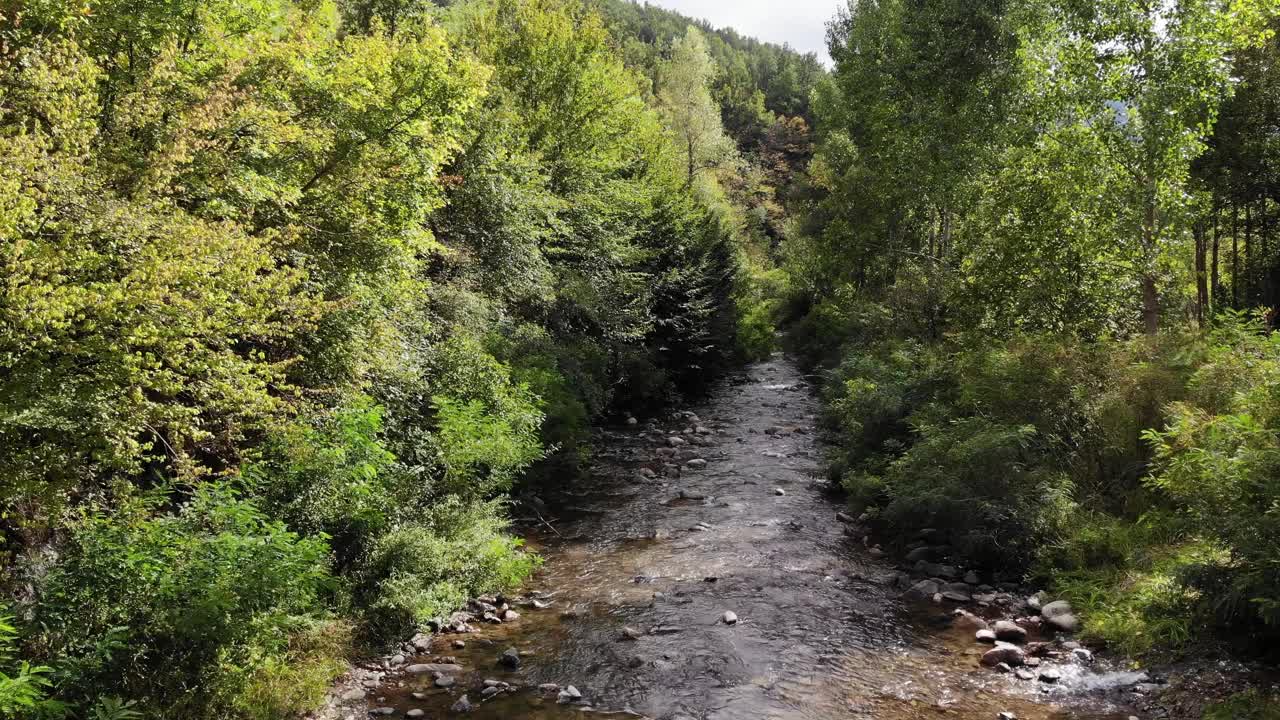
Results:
<point x="757" y="80"/>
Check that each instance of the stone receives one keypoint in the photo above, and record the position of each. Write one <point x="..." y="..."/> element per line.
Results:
<point x="353" y="695"/>
<point x="1004" y="653"/>
<point x="445" y="681"/>
<point x="1010" y="632"/>
<point x="418" y="695"/>
<point x="490" y="691"/>
<point x="510" y="659"/>
<point x="696" y="464"/>
<point x="946" y="572"/>
<point x="397" y="659"/>
<point x="1049" y="675"/>
<point x="424" y="668"/>
<point x="921" y="590"/>
<point x="966" y="619"/>
<point x="729" y="617"/>
<point x="1081" y="655"/>
<point x="845" y="518"/>
<point x="1003" y="668"/>
<point x="421" y="641"/>
<point x="779" y="492"/>
<point x="923" y="552"/>
<point x="1067" y="622"/>
<point x="382" y="711"/>
<point x="972" y="578"/>
<point x="459" y="644"/>
<point x="630" y="633"/>
<point x="1056" y="608"/>
<point x="548" y="688"/>
<point x="1006" y="715"/>
<point x="956" y="596"/>
<point x="510" y="616"/>
<point x="462" y="706"/>
<point x="985" y="636"/>
<point x="1024" y="675"/>
<point x="416" y="713"/>
<point x="690" y="495"/>
<point x="569" y="695"/>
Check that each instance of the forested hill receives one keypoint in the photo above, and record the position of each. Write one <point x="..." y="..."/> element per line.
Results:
<point x="755" y="80"/>
<point x="295" y="294"/>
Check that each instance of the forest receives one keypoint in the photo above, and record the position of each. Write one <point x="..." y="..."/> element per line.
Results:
<point x="295" y="292"/>
<point x="303" y="299"/>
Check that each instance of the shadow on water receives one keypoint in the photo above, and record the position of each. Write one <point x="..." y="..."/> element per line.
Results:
<point x="821" y="633"/>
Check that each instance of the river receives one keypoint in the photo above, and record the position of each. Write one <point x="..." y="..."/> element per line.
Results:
<point x="821" y="632"/>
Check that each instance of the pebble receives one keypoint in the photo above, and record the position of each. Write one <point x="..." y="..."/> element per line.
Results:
<point x="568" y="695"/>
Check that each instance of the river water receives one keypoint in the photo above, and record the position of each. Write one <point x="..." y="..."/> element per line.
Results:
<point x="821" y="633"/>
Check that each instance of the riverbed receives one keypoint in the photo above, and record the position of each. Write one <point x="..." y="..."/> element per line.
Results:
<point x="644" y="557"/>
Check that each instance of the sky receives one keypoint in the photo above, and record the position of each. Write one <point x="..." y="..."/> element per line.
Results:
<point x="799" y="23"/>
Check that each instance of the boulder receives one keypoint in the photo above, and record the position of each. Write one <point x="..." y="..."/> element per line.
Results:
<point x="1049" y="675"/>
<point x="1054" y="609"/>
<point x="1010" y="632"/>
<point x="510" y="659"/>
<point x="1068" y="623"/>
<point x="1081" y="655"/>
<point x="985" y="636"/>
<point x="921" y="590"/>
<point x="1004" y="653"/>
<point x="569" y="695"/>
<point x="729" y="617"/>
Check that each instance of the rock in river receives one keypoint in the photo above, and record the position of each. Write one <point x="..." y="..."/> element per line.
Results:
<point x="730" y="617"/>
<point x="463" y="705"/>
<point x="1004" y="653"/>
<point x="985" y="636"/>
<point x="510" y="658"/>
<point x="1010" y="632"/>
<point x="1064" y="623"/>
<point x="921" y="590"/>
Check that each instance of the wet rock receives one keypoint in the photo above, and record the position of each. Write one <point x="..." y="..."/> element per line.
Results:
<point x="1003" y="668"/>
<point x="664" y="630"/>
<point x="1004" y="653"/>
<point x="421" y="641"/>
<point x="946" y="572"/>
<point x="1006" y="715"/>
<point x="635" y="661"/>
<point x="691" y="495"/>
<point x="396" y="660"/>
<point x="966" y="619"/>
<point x="921" y="590"/>
<point x="424" y="668"/>
<point x="676" y="441"/>
<point x="382" y="711"/>
<point x="459" y="644"/>
<point x="353" y="695"/>
<point x="490" y="691"/>
<point x="844" y="518"/>
<point x="462" y="706"/>
<point x="956" y="596"/>
<point x="548" y="688"/>
<point x="985" y="636"/>
<point x="972" y="578"/>
<point x="510" y="616"/>
<point x="569" y="695"/>
<point x="779" y="492"/>
<point x="1050" y="675"/>
<point x="630" y="633"/>
<point x="418" y="695"/>
<point x="924" y="552"/>
<point x="696" y="464"/>
<point x="416" y="713"/>
<point x="1081" y="655"/>
<point x="510" y="659"/>
<point x="445" y="681"/>
<point x="729" y="617"/>
<point x="1010" y="632"/>
<point x="1024" y="675"/>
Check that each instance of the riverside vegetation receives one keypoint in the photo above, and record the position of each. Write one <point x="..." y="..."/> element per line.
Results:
<point x="295" y="291"/>
<point x="1039" y="260"/>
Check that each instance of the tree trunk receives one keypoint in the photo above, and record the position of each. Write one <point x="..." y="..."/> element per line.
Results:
<point x="1214" y="279"/>
<point x="1235" y="255"/>
<point x="1150" y="304"/>
<point x="1202" y="272"/>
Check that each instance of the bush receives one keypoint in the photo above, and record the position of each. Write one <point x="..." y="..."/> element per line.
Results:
<point x="423" y="570"/>
<point x="174" y="606"/>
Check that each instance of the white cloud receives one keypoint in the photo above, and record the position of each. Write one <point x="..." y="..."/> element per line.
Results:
<point x="802" y="24"/>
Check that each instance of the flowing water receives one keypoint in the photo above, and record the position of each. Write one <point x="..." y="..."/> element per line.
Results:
<point x="822" y="632"/>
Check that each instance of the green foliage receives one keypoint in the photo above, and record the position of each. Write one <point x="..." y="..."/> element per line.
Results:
<point x="1248" y="705"/>
<point x="424" y="569"/>
<point x="24" y="688"/>
<point x="144" y="601"/>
